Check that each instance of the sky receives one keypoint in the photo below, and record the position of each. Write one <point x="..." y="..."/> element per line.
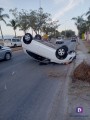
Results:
<point x="62" y="10"/>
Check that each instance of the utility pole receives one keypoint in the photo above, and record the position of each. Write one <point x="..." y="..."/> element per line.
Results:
<point x="40" y="14"/>
<point x="65" y="28"/>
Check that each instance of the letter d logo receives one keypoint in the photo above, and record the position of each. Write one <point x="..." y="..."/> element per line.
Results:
<point x="79" y="109"/>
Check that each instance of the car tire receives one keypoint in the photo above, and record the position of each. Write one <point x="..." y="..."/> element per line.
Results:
<point x="61" y="53"/>
<point x="8" y="56"/>
<point x="38" y="37"/>
<point x="27" y="38"/>
<point x="65" y="47"/>
<point x="15" y="45"/>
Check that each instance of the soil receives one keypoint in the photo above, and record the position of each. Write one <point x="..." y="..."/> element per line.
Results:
<point x="82" y="72"/>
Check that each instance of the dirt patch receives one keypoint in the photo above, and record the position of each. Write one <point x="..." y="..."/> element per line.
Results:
<point x="82" y="72"/>
<point x="16" y="49"/>
<point x="87" y="44"/>
<point x="54" y="74"/>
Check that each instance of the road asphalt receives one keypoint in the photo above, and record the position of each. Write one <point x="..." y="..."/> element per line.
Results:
<point x="30" y="91"/>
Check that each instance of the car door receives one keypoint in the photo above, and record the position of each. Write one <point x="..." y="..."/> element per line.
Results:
<point x="2" y="52"/>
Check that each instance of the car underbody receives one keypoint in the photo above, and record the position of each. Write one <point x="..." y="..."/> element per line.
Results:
<point x="45" y="51"/>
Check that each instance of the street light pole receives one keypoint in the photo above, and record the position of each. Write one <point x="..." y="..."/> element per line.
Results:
<point x="40" y="15"/>
<point x="65" y="28"/>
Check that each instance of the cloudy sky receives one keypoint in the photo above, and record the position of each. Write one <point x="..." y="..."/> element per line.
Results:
<point x="62" y="10"/>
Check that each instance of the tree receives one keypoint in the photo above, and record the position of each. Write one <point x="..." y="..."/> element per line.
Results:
<point x="79" y="21"/>
<point x="2" y="18"/>
<point x="51" y="28"/>
<point x="33" y="20"/>
<point x="68" y="33"/>
<point x="38" y="19"/>
<point x="14" y="25"/>
<point x="88" y="19"/>
<point x="88" y="14"/>
<point x="23" y="20"/>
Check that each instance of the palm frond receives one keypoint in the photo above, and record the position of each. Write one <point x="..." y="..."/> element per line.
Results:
<point x="74" y="18"/>
<point x="9" y="25"/>
<point x="1" y="9"/>
<point x="3" y="20"/>
<point x="88" y="13"/>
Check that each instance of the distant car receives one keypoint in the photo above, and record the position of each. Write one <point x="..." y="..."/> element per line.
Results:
<point x="13" y="42"/>
<point x="73" y="39"/>
<point x="45" y="51"/>
<point x="59" y="41"/>
<point x="5" y="53"/>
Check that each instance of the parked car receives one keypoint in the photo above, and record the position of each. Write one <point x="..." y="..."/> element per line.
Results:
<point x="74" y="39"/>
<point x="45" y="51"/>
<point x="5" y="53"/>
<point x="59" y="41"/>
<point x="13" y="42"/>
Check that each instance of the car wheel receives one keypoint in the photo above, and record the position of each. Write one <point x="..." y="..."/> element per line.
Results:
<point x="8" y="56"/>
<point x="15" y="45"/>
<point x="65" y="47"/>
<point x="27" y="38"/>
<point x="61" y="53"/>
<point x="38" y="37"/>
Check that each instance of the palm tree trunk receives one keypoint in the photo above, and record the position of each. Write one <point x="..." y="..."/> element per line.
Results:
<point x="24" y="31"/>
<point x="32" y="31"/>
<point x="15" y="33"/>
<point x="1" y="33"/>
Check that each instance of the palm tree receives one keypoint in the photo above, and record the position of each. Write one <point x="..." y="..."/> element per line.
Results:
<point x="88" y="14"/>
<point x="79" y="22"/>
<point x="2" y="16"/>
<point x="88" y="19"/>
<point x="14" y="25"/>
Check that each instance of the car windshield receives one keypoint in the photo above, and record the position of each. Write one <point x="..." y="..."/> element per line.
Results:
<point x="7" y="40"/>
<point x="18" y="40"/>
<point x="13" y="40"/>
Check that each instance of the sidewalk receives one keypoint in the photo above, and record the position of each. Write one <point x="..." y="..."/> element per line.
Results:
<point x="79" y="91"/>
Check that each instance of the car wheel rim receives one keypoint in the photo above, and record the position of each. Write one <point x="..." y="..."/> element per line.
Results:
<point x="27" y="38"/>
<point x="61" y="52"/>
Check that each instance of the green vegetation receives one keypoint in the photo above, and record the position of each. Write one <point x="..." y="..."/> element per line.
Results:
<point x="36" y="20"/>
<point x="14" y="25"/>
<point x="2" y="18"/>
<point x="68" y="33"/>
<point x="83" y="24"/>
<point x="39" y="21"/>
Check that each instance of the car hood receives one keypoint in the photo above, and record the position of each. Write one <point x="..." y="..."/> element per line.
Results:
<point x="6" y="48"/>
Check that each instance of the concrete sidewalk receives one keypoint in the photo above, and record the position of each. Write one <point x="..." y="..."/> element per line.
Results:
<point x="79" y="91"/>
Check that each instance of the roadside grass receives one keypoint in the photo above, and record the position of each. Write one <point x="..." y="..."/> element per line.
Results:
<point x="87" y="44"/>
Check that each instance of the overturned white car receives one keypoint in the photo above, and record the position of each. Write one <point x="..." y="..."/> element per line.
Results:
<point x="44" y="51"/>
